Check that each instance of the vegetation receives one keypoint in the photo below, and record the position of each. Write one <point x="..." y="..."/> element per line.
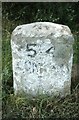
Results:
<point x="21" y="106"/>
<point x="24" y="107"/>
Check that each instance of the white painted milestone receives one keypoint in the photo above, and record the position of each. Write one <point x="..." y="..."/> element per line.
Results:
<point x="42" y="55"/>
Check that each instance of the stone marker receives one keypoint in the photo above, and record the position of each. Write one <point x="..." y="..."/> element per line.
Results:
<point x="42" y="54"/>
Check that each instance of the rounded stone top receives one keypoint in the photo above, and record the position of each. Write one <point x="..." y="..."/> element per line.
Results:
<point x="44" y="29"/>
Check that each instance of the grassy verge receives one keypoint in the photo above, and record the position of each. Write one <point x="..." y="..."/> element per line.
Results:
<point x="24" y="107"/>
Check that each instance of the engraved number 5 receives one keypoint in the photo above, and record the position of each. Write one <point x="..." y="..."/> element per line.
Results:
<point x="31" y="49"/>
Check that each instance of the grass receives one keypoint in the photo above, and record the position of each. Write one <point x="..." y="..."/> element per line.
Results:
<point x="25" y="107"/>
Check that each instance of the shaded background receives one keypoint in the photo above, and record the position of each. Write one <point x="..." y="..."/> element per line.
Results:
<point x="14" y="14"/>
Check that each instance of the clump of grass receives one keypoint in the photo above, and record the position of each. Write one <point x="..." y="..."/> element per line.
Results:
<point x="26" y="107"/>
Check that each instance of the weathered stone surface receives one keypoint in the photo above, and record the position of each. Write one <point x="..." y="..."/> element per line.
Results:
<point x="42" y="56"/>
